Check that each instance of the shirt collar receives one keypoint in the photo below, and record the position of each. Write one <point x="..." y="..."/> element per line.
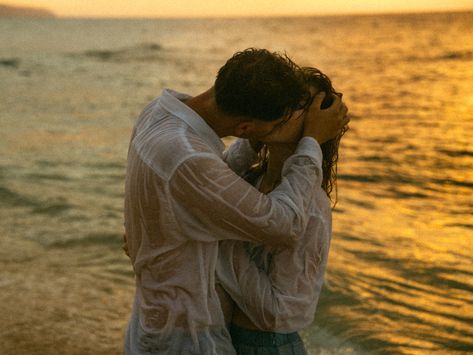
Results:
<point x="171" y="101"/>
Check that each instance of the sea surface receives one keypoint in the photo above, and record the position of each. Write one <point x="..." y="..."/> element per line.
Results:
<point x="400" y="276"/>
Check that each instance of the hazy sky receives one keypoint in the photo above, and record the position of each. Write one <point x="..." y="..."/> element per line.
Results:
<point x="190" y="8"/>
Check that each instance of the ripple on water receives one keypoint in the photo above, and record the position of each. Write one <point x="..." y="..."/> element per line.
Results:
<point x="453" y="182"/>
<point x="10" y="198"/>
<point x="456" y="153"/>
<point x="139" y="52"/>
<point x="111" y="240"/>
<point x="43" y="176"/>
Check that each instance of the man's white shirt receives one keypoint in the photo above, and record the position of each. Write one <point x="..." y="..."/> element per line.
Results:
<point x="183" y="195"/>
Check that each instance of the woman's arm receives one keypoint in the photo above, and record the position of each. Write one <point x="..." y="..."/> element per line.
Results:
<point x="214" y="203"/>
<point x="283" y="298"/>
<point x="240" y="155"/>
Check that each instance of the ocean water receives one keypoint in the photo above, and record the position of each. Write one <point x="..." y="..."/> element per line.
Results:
<point x="400" y="276"/>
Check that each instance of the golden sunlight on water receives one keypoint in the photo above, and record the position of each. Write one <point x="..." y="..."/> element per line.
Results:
<point x="400" y="269"/>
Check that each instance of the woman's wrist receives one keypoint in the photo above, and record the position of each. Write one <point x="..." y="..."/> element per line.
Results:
<point x="282" y="150"/>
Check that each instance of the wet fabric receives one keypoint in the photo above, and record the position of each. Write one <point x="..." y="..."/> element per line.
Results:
<point x="183" y="194"/>
<point x="278" y="288"/>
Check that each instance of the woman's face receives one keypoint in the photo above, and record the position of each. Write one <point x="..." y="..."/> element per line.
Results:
<point x="288" y="131"/>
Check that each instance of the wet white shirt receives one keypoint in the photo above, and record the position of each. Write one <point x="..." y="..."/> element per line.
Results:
<point x="278" y="288"/>
<point x="183" y="194"/>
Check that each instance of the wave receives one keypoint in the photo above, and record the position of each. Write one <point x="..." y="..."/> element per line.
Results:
<point x="13" y="199"/>
<point x="362" y="204"/>
<point x="9" y="198"/>
<point x="10" y="62"/>
<point x="377" y="158"/>
<point x="360" y="178"/>
<point x="112" y="240"/>
<point x="400" y="179"/>
<point x="446" y="56"/>
<point x="453" y="182"/>
<point x="407" y="195"/>
<point x="456" y="55"/>
<point x="456" y="153"/>
<point x="53" y="209"/>
<point x="462" y="225"/>
<point x="42" y="176"/>
<point x="140" y="52"/>
<point x="344" y="313"/>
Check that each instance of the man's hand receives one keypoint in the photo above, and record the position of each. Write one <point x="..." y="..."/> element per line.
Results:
<point x="325" y="124"/>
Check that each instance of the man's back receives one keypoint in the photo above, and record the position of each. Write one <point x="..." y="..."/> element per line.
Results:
<point x="174" y="302"/>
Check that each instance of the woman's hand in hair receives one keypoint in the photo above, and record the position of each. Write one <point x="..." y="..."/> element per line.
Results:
<point x="325" y="124"/>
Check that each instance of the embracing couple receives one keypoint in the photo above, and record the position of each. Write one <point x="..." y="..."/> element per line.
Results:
<point x="229" y="247"/>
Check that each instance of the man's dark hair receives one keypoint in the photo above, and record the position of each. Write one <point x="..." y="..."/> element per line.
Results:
<point x="260" y="84"/>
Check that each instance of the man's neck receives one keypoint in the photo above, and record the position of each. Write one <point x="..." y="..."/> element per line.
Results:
<point x="206" y="107"/>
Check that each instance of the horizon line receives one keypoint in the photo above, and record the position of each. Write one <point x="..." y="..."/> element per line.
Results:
<point x="242" y="16"/>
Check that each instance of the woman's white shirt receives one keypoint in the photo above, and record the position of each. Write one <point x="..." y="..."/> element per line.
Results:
<point x="278" y="288"/>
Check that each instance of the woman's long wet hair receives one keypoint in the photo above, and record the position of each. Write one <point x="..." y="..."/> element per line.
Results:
<point x="321" y="82"/>
<point x="317" y="80"/>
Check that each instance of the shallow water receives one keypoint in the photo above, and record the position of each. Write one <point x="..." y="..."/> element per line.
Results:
<point x="400" y="269"/>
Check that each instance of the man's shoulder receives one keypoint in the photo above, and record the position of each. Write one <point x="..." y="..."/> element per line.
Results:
<point x="165" y="141"/>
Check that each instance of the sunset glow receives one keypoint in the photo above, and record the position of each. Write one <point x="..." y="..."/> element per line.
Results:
<point x="211" y="8"/>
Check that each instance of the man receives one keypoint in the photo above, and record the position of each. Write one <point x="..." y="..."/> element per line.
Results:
<point x="184" y="194"/>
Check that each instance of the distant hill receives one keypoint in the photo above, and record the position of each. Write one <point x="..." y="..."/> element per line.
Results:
<point x="16" y="11"/>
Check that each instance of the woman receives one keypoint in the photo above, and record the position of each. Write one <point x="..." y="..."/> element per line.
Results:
<point x="275" y="291"/>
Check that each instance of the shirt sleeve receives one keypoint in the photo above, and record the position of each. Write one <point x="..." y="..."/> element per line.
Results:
<point x="211" y="202"/>
<point x="239" y="156"/>
<point x="283" y="298"/>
